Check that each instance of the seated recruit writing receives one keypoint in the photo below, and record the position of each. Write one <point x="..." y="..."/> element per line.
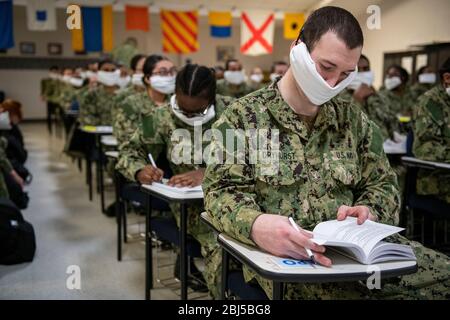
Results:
<point x="331" y="165"/>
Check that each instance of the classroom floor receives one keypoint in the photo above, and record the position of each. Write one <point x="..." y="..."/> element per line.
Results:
<point x="70" y="230"/>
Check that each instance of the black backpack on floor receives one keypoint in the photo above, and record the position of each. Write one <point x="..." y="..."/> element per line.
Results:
<point x="17" y="239"/>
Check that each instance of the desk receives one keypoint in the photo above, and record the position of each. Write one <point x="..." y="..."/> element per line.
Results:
<point x="170" y="197"/>
<point x="98" y="131"/>
<point x="343" y="269"/>
<point x="112" y="154"/>
<point x="414" y="162"/>
<point x="109" y="141"/>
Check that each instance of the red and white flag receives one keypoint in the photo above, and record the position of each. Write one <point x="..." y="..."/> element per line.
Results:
<point x="257" y="30"/>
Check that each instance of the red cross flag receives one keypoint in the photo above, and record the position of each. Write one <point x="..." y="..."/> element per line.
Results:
<point x="257" y="29"/>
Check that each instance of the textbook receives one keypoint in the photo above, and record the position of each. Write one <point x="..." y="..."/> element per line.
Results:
<point x="362" y="243"/>
<point x="165" y="187"/>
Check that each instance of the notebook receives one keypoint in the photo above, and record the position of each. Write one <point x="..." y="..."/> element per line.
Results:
<point x="184" y="190"/>
<point x="362" y="243"/>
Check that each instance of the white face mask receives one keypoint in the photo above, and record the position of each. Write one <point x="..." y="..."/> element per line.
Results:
<point x="66" y="78"/>
<point x="122" y="82"/>
<point x="274" y="76"/>
<point x="90" y="74"/>
<point x="76" y="82"/>
<point x="162" y="84"/>
<point x="365" y="77"/>
<point x="5" y="122"/>
<point x="108" y="78"/>
<point x="234" y="77"/>
<point x="448" y="90"/>
<point x="53" y="75"/>
<point x="316" y="89"/>
<point x="427" y="78"/>
<point x="137" y="79"/>
<point x="258" y="78"/>
<point x="193" y="121"/>
<point x="392" y="83"/>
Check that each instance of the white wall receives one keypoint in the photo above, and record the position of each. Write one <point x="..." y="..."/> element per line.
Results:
<point x="24" y="86"/>
<point x="28" y="90"/>
<point x="405" y="23"/>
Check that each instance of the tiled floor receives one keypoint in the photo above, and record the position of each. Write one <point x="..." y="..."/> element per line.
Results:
<point x="70" y="231"/>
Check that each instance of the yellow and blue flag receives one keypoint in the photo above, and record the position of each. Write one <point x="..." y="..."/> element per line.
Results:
<point x="220" y="24"/>
<point x="96" y="33"/>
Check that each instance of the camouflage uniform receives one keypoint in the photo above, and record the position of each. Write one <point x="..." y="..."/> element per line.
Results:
<point x="418" y="89"/>
<point x="45" y="86"/>
<point x="124" y="53"/>
<point x="53" y="90"/>
<point x="256" y="86"/>
<point x="128" y="115"/>
<point x="339" y="161"/>
<point x="377" y="109"/>
<point x="96" y="106"/>
<point x="121" y="95"/>
<point x="154" y="136"/>
<point x="398" y="104"/>
<point x="67" y="95"/>
<point x="5" y="167"/>
<point x="225" y="88"/>
<point x="432" y="141"/>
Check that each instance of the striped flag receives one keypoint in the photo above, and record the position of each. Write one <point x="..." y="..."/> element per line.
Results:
<point x="96" y="34"/>
<point x="180" y="31"/>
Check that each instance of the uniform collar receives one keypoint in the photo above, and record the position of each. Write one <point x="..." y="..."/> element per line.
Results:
<point x="286" y="117"/>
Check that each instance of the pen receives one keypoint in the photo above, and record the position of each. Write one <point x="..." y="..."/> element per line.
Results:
<point x="150" y="157"/>
<point x="296" y="227"/>
<point x="151" y="160"/>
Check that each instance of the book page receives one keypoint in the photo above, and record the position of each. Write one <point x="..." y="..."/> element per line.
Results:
<point x="165" y="186"/>
<point x="366" y="235"/>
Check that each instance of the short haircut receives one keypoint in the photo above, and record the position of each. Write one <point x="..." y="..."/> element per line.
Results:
<point x="54" y="68"/>
<point x="105" y="61"/>
<point x="364" y="57"/>
<point x="134" y="61"/>
<point x="445" y="68"/>
<point x="151" y="62"/>
<point x="334" y="19"/>
<point x="194" y="80"/>
<point x="227" y="64"/>
<point x="277" y="63"/>
<point x="403" y="73"/>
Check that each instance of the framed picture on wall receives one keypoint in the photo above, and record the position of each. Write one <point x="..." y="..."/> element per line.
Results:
<point x="224" y="53"/>
<point x="54" y="49"/>
<point x="27" y="48"/>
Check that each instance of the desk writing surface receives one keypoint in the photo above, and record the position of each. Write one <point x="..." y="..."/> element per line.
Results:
<point x="109" y="140"/>
<point x="97" y="129"/>
<point x="343" y="268"/>
<point x="437" y="165"/>
<point x="174" y="195"/>
<point x="112" y="154"/>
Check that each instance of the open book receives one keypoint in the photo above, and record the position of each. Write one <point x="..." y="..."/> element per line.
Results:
<point x="362" y="242"/>
<point x="164" y="186"/>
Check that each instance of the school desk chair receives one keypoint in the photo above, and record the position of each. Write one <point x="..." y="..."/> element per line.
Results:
<point x="426" y="207"/>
